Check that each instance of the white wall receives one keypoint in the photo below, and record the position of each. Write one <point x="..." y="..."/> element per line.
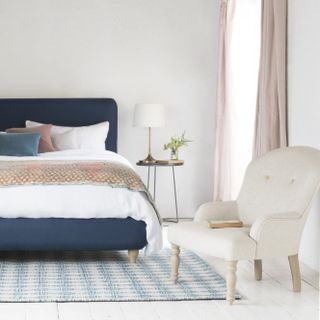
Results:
<point x="304" y="102"/>
<point x="134" y="51"/>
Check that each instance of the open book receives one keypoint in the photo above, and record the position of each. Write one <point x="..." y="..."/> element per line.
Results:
<point x="225" y="224"/>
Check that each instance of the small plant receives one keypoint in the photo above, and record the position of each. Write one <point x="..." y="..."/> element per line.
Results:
<point x="175" y="144"/>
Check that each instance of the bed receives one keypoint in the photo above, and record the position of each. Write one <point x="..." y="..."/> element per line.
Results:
<point x="63" y="233"/>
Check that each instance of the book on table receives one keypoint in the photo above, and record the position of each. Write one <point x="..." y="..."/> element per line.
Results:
<point x="214" y="224"/>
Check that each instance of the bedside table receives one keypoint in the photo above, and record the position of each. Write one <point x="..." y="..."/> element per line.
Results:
<point x="163" y="163"/>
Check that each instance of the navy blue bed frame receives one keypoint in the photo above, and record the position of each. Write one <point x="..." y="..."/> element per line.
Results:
<point x="44" y="234"/>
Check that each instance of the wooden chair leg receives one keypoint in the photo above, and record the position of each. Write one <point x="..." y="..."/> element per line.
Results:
<point x="175" y="260"/>
<point x="133" y="255"/>
<point x="231" y="280"/>
<point x="258" y="269"/>
<point x="295" y="272"/>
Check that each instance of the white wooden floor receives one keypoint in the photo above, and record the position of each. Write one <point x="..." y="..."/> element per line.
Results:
<point x="270" y="298"/>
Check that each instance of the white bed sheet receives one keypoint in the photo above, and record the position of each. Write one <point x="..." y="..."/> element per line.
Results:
<point x="80" y="201"/>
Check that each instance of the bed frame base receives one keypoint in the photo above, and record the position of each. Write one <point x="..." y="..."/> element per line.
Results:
<point x="52" y="234"/>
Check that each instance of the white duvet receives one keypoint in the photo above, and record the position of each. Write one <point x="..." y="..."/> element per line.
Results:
<point x="80" y="201"/>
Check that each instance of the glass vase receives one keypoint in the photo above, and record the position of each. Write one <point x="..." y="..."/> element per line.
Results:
<point x="174" y="155"/>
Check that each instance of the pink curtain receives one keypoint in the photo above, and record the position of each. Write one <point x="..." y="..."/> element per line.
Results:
<point x="271" y="112"/>
<point x="222" y="118"/>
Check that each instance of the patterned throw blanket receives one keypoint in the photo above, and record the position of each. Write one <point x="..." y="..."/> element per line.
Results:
<point x="60" y="172"/>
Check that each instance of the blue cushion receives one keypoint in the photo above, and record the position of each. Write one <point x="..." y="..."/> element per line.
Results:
<point x="19" y="144"/>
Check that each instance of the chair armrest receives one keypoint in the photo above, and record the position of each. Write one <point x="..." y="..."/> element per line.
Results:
<point x="277" y="234"/>
<point x="266" y="221"/>
<point x="217" y="210"/>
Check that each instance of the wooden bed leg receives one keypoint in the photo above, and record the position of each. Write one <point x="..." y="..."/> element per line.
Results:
<point x="133" y="254"/>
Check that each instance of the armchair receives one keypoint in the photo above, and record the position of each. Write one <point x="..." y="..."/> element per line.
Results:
<point x="273" y="203"/>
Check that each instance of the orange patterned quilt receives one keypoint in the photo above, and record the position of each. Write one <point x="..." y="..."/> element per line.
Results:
<point x="61" y="172"/>
<point x="17" y="173"/>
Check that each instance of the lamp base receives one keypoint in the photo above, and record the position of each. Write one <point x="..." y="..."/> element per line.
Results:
<point x="148" y="159"/>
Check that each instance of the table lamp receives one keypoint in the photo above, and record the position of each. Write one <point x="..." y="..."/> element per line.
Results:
<point x="149" y="115"/>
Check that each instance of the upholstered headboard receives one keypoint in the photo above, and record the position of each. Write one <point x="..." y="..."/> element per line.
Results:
<point x="63" y="112"/>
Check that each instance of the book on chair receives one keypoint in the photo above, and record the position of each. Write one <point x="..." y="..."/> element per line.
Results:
<point x="215" y="224"/>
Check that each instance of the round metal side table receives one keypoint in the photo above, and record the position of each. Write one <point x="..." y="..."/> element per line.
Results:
<point x="163" y="163"/>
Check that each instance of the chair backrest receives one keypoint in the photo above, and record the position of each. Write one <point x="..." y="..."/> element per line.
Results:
<point x="283" y="180"/>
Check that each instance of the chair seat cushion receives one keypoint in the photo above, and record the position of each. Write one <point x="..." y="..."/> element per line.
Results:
<point x="226" y="243"/>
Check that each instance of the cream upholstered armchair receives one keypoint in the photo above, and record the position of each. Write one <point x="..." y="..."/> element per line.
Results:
<point x="273" y="203"/>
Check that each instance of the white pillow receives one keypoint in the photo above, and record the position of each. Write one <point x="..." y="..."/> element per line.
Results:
<point x="86" y="137"/>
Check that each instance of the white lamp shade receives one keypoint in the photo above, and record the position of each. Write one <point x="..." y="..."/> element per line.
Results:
<point x="149" y="115"/>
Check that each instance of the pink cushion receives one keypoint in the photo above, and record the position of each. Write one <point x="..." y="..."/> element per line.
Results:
<point x="45" y="144"/>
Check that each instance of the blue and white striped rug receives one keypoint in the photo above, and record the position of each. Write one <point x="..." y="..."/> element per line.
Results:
<point x="105" y="276"/>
